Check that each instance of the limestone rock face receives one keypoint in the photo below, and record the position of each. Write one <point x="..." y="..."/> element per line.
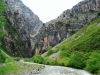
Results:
<point x="26" y="25"/>
<point x="26" y="20"/>
<point x="36" y="36"/>
<point x="69" y="22"/>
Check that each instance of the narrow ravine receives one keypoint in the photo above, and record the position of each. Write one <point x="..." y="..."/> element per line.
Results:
<point x="58" y="70"/>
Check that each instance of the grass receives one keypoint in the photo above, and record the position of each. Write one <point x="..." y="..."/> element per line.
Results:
<point x="81" y="50"/>
<point x="80" y="47"/>
<point x="8" y="69"/>
<point x="18" y="68"/>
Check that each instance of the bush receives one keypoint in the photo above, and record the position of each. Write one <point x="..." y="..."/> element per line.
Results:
<point x="28" y="60"/>
<point x="17" y="59"/>
<point x="38" y="59"/>
<point x="61" y="64"/>
<point x="50" y="51"/>
<point x="53" y="62"/>
<point x="93" y="63"/>
<point x="2" y="58"/>
<point x="9" y="60"/>
<point x="77" y="60"/>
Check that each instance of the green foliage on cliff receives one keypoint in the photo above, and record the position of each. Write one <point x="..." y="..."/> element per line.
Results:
<point x="2" y="18"/>
<point x="2" y="23"/>
<point x="50" y="51"/>
<point x="2" y="57"/>
<point x="83" y="48"/>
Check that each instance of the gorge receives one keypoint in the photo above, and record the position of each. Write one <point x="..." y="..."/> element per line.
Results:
<point x="25" y="37"/>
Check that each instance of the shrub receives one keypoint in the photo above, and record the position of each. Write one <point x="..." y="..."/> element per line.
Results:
<point x="49" y="48"/>
<point x="38" y="59"/>
<point x="2" y="57"/>
<point x="77" y="60"/>
<point x="61" y="64"/>
<point x="93" y="63"/>
<point x="17" y="59"/>
<point x="50" y="51"/>
<point x="9" y="60"/>
<point x="53" y="62"/>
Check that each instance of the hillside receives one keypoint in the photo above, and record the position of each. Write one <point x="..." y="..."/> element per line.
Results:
<point x="76" y="30"/>
<point x="66" y="24"/>
<point x="81" y="50"/>
<point x="21" y="25"/>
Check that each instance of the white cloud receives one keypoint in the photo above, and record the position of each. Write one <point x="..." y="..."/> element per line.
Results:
<point x="49" y="9"/>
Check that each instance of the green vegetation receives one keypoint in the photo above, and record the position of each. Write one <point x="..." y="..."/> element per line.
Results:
<point x="2" y="18"/>
<point x="81" y="50"/>
<point x="2" y="57"/>
<point x="77" y="60"/>
<point x="13" y="66"/>
<point x="93" y="63"/>
<point x="38" y="59"/>
<point x="9" y="32"/>
<point x="50" y="51"/>
<point x="18" y="68"/>
<point x="16" y="41"/>
<point x="2" y="23"/>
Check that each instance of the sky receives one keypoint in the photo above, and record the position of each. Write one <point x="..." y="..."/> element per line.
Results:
<point x="49" y="9"/>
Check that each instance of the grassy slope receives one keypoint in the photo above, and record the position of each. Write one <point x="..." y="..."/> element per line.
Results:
<point x="19" y="68"/>
<point x="82" y="50"/>
<point x="87" y="39"/>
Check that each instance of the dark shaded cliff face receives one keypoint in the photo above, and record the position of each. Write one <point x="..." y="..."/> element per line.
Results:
<point x="21" y="25"/>
<point x="66" y="24"/>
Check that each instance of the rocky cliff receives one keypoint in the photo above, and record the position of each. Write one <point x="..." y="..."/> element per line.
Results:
<point x="82" y="7"/>
<point x="66" y="24"/>
<point x="21" y="26"/>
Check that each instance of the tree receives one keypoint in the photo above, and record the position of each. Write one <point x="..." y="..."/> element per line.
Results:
<point x="2" y="23"/>
<point x="77" y="60"/>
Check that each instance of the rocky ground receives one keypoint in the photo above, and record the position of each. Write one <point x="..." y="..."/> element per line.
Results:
<point x="58" y="70"/>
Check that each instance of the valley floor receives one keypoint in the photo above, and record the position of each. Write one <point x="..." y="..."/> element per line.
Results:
<point x="20" y="68"/>
<point x="29" y="68"/>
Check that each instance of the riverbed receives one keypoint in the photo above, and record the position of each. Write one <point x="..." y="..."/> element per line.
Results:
<point x="58" y="70"/>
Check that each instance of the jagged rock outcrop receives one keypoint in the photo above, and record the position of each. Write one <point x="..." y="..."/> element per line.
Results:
<point x="27" y="25"/>
<point x="81" y="7"/>
<point x="22" y="25"/>
<point x="51" y="35"/>
<point x="67" y="23"/>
